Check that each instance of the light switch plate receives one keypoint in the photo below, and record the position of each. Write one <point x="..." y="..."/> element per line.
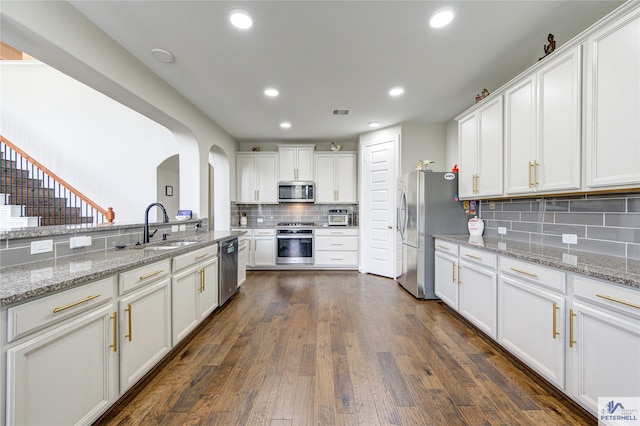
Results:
<point x="44" y="246"/>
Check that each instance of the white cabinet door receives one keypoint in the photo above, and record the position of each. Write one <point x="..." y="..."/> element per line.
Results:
<point x="246" y="178"/>
<point x="243" y="260"/>
<point x="287" y="163"/>
<point x="478" y="296"/>
<point x="184" y="288"/>
<point x="257" y="178"/>
<point x="520" y="137"/>
<point x="467" y="156"/>
<point x="264" y="244"/>
<point x="446" y="278"/>
<point x="325" y="184"/>
<point x="336" y="180"/>
<point x="604" y="353"/>
<point x="531" y="326"/>
<point x="267" y="178"/>
<point x="145" y="331"/>
<point x="480" y="151"/>
<point x="296" y="163"/>
<point x="559" y="117"/>
<point x="305" y="163"/>
<point x="67" y="376"/>
<point x="613" y="105"/>
<point x="208" y="291"/>
<point x="346" y="178"/>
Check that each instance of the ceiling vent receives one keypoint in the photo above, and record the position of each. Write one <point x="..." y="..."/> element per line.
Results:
<point x="340" y="112"/>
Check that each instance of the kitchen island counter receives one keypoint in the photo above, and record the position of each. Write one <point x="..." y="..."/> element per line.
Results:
<point x="610" y="268"/>
<point x="22" y="282"/>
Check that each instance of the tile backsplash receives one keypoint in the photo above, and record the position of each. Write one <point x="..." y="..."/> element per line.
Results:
<point x="607" y="224"/>
<point x="271" y="214"/>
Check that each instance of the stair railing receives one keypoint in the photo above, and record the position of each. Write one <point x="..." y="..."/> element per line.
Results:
<point x="43" y="193"/>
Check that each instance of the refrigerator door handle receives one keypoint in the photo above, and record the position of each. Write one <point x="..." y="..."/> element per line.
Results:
<point x="403" y="215"/>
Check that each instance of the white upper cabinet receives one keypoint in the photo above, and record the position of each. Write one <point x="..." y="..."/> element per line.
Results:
<point x="257" y="177"/>
<point x="336" y="178"/>
<point x="480" y="151"/>
<point x="613" y="105"/>
<point x="296" y="162"/>
<point x="542" y="128"/>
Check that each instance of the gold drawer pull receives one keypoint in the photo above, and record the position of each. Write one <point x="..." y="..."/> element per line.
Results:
<point x="144" y="277"/>
<point x="618" y="301"/>
<point x="571" y="341"/>
<point x="336" y="244"/>
<point x="459" y="276"/>
<point x="71" y="305"/>
<point x="128" y="311"/>
<point x="443" y="247"/>
<point x="336" y="258"/>
<point x="531" y="274"/>
<point x="201" y="271"/>
<point x="473" y="257"/>
<point x="202" y="255"/>
<point x="555" y="320"/>
<point x="453" y="272"/>
<point x="337" y="233"/>
<point x="115" y="332"/>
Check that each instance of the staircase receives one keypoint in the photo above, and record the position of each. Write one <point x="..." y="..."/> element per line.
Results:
<point x="30" y="195"/>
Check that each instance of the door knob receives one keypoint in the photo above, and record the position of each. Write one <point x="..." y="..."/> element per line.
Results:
<point x="389" y="226"/>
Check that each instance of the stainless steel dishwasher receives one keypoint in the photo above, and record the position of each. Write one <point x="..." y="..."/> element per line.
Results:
<point x="228" y="271"/>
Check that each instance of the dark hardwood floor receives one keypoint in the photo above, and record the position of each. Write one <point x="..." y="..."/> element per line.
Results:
<point x="340" y="348"/>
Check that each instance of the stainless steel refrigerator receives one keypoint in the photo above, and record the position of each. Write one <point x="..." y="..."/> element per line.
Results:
<point x="427" y="207"/>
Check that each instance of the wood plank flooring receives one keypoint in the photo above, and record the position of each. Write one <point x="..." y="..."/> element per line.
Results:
<point x="340" y="348"/>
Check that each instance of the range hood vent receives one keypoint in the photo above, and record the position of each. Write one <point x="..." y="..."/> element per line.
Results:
<point x="340" y="112"/>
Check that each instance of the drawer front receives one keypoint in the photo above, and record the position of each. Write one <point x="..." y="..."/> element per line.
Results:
<point x="185" y="260"/>
<point x="336" y="243"/>
<point x="248" y="232"/>
<point x="479" y="256"/>
<point x="336" y="258"/>
<point x="447" y="247"/>
<point x="32" y="316"/>
<point x="335" y="232"/>
<point x="609" y="295"/>
<point x="144" y="275"/>
<point x="537" y="274"/>
<point x="264" y="232"/>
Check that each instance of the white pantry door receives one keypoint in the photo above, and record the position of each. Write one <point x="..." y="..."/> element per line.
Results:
<point x="378" y="207"/>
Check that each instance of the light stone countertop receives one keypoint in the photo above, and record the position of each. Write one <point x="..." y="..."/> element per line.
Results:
<point x="610" y="268"/>
<point x="22" y="282"/>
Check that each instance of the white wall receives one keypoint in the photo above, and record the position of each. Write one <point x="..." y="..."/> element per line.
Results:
<point x="168" y="174"/>
<point x="57" y="34"/>
<point x="422" y="141"/>
<point x="102" y="148"/>
<point x="451" y="150"/>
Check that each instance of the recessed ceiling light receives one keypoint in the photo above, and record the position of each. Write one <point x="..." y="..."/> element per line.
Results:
<point x="271" y="92"/>
<point x="285" y="125"/>
<point x="163" y="55"/>
<point x="240" y="19"/>
<point x="374" y="124"/>
<point x="396" y="91"/>
<point x="441" y="18"/>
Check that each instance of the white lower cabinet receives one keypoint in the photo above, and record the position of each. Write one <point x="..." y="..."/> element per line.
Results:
<point x="478" y="289"/>
<point x="336" y="248"/>
<point x="61" y="348"/>
<point x="145" y="331"/>
<point x="243" y="259"/>
<point x="604" y="342"/>
<point x="531" y="317"/>
<point x="446" y="273"/>
<point x="264" y="247"/>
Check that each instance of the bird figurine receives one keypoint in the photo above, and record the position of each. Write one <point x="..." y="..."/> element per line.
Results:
<point x="334" y="146"/>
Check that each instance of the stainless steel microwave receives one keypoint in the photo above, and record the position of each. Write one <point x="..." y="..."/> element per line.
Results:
<point x="296" y="192"/>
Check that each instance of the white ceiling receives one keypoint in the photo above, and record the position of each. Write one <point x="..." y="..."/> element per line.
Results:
<point x="325" y="55"/>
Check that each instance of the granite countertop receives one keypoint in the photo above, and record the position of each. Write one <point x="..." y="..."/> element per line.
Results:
<point x="317" y="225"/>
<point x="610" y="268"/>
<point x="21" y="282"/>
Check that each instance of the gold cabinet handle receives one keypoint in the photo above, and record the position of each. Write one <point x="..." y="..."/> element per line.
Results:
<point x="459" y="279"/>
<point x="555" y="320"/>
<point x="530" y="181"/>
<point x="243" y="248"/>
<point x="115" y="332"/>
<point x="473" y="257"/>
<point x="336" y="258"/>
<point x="336" y="244"/>
<point x="201" y="256"/>
<point x="531" y="274"/>
<point x="443" y="247"/>
<point x="152" y="274"/>
<point x="571" y="341"/>
<point x="201" y="280"/>
<point x="618" y="301"/>
<point x="71" y="305"/>
<point x="336" y="233"/>
<point x="129" y="335"/>
<point x="535" y="173"/>
<point x="453" y="272"/>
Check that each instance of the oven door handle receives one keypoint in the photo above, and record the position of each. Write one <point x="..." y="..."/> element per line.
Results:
<point x="293" y="236"/>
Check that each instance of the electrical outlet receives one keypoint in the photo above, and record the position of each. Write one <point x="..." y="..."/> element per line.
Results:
<point x="75" y="242"/>
<point x="183" y="227"/>
<point x="569" y="239"/>
<point x="570" y="259"/>
<point x="174" y="228"/>
<point x="502" y="230"/>
<point x="492" y="206"/>
<point x="44" y="246"/>
<point x="260" y="220"/>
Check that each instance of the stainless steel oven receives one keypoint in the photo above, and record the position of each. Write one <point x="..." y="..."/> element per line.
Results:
<point x="294" y="246"/>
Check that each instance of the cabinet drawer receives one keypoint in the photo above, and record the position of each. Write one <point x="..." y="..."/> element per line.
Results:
<point x="610" y="295"/>
<point x="336" y="258"/>
<point x="336" y="232"/>
<point x="479" y="256"/>
<point x="336" y="243"/>
<point x="263" y="232"/>
<point x="144" y="275"/>
<point x="184" y="260"/>
<point x="447" y="247"/>
<point x="247" y="232"/>
<point x="537" y="274"/>
<point x="32" y="316"/>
